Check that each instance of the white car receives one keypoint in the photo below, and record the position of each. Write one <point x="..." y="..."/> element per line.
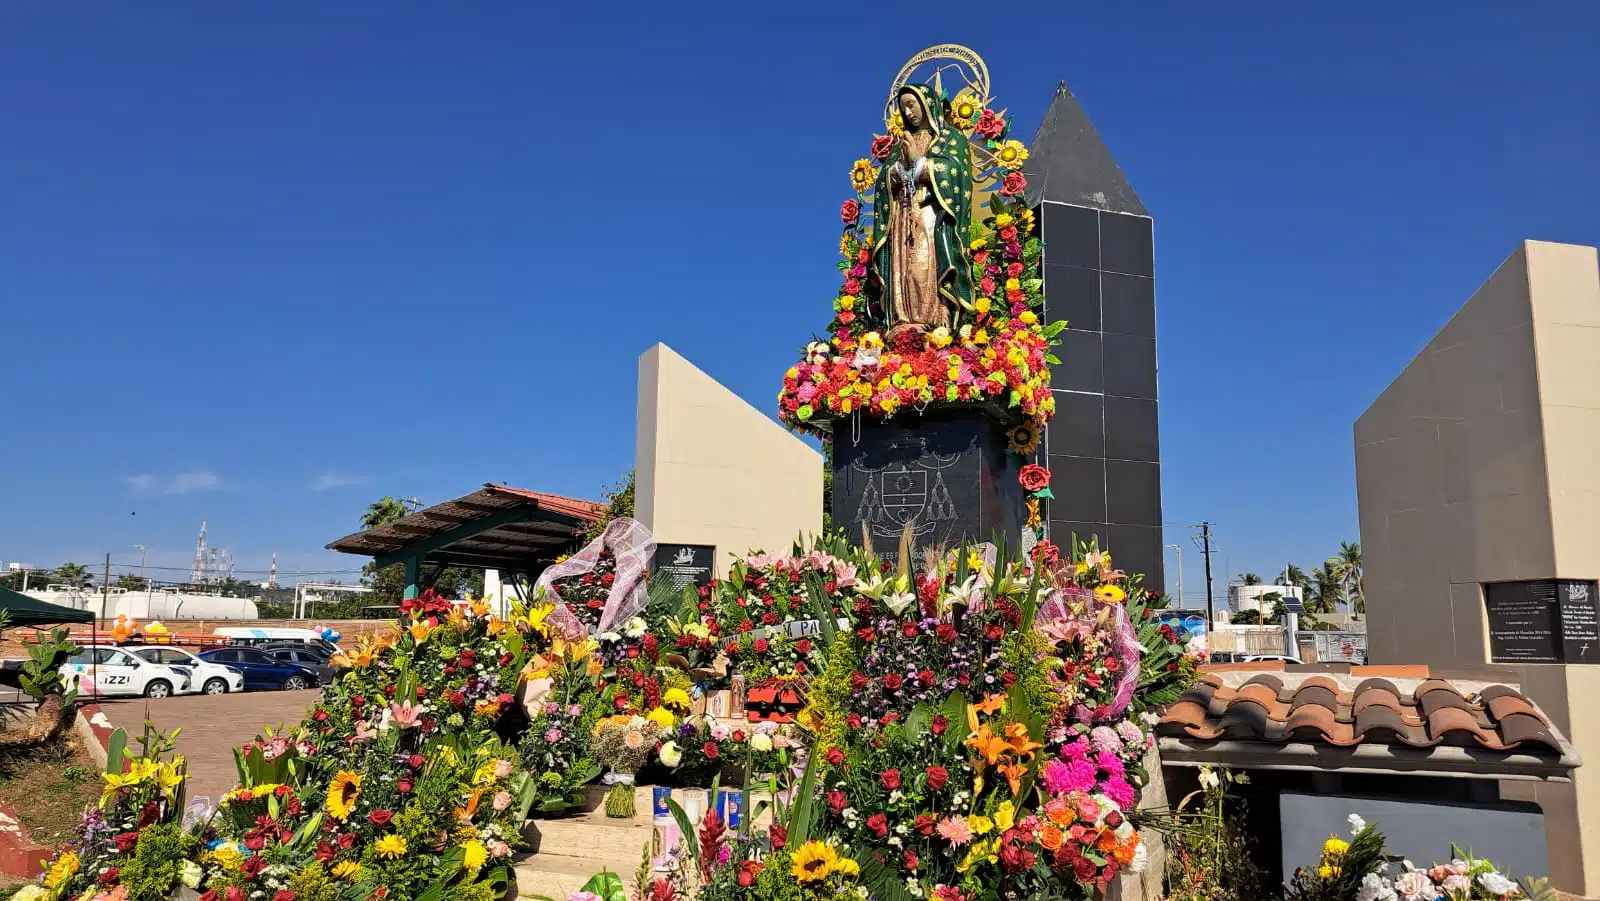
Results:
<point x="107" y="671"/>
<point x="206" y="678"/>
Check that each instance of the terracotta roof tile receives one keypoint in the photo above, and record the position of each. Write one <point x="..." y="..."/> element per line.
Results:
<point x="1277" y="709"/>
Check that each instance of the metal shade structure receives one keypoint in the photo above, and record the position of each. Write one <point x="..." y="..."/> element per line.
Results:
<point x="22" y="610"/>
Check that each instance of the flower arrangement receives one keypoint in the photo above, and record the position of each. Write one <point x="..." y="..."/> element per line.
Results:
<point x="623" y="743"/>
<point x="997" y="352"/>
<point x="566" y="705"/>
<point x="1360" y="870"/>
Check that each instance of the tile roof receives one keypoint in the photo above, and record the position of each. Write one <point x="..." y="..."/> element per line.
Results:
<point x="1431" y="722"/>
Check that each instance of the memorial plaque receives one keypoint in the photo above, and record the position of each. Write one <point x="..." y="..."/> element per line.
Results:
<point x="686" y="564"/>
<point x="1524" y="624"/>
<point x="1580" y="621"/>
<point x="948" y="475"/>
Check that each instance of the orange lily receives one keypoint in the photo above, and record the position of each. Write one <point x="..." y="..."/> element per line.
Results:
<point x="419" y="630"/>
<point x="458" y="616"/>
<point x="1017" y="740"/>
<point x="990" y="747"/>
<point x="1014" y="773"/>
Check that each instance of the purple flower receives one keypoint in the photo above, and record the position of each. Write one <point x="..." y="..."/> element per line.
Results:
<point x="551" y="708"/>
<point x="1013" y="251"/>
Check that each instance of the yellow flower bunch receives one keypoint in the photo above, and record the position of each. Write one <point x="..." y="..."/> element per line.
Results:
<point x="63" y="868"/>
<point x="815" y="861"/>
<point x="391" y="846"/>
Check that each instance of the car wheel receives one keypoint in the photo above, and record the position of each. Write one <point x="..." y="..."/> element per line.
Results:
<point x="216" y="687"/>
<point x="158" y="688"/>
<point x="294" y="683"/>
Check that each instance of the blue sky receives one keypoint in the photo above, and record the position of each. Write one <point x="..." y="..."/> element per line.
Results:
<point x="262" y="263"/>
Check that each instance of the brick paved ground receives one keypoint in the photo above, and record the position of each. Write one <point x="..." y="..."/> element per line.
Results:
<point x="213" y="725"/>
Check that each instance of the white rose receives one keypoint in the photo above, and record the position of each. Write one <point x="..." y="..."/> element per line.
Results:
<point x="671" y="754"/>
<point x="1498" y="885"/>
<point x="1374" y="887"/>
<point x="191" y="874"/>
<point x="761" y="742"/>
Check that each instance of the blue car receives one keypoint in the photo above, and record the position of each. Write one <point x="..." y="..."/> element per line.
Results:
<point x="262" y="670"/>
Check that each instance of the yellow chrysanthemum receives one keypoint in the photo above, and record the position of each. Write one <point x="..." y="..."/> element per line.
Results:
<point x="862" y="175"/>
<point x="346" y="869"/>
<point x="1327" y="872"/>
<point x="475" y="854"/>
<point x="813" y="862"/>
<point x="1112" y="594"/>
<point x="1003" y="220"/>
<point x="1028" y="317"/>
<point x="982" y="304"/>
<point x="342" y="794"/>
<point x="391" y="846"/>
<point x="1011" y="154"/>
<point x="662" y="717"/>
<point x="227" y="855"/>
<point x="977" y="243"/>
<point x="1334" y="846"/>
<point x="62" y="869"/>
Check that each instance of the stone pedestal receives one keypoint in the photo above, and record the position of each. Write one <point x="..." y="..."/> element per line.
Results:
<point x="948" y="474"/>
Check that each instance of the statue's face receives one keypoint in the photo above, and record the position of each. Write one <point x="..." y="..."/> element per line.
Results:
<point x="911" y="110"/>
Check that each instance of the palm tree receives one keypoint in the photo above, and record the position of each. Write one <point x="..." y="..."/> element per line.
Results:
<point x="1249" y="579"/>
<point x="383" y="511"/>
<point x="73" y="574"/>
<point x="1349" y="568"/>
<point x="1326" y="590"/>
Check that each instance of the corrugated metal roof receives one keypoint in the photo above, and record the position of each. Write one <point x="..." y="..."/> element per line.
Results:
<point x="531" y="528"/>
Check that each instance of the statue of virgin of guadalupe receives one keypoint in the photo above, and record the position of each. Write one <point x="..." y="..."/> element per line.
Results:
<point x="921" y="268"/>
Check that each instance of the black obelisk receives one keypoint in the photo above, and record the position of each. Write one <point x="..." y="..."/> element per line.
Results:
<point x="1103" y="446"/>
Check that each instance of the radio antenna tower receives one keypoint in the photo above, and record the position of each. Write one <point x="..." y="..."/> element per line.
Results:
<point x="272" y="574"/>
<point x="198" y="575"/>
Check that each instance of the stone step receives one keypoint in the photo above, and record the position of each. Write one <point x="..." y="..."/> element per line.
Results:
<point x="556" y="876"/>
<point x="593" y="836"/>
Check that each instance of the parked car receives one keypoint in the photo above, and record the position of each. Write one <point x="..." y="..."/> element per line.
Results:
<point x="109" y="671"/>
<point x="208" y="678"/>
<point x="1272" y="658"/>
<point x="305" y="655"/>
<point x="252" y="637"/>
<point x="262" y="670"/>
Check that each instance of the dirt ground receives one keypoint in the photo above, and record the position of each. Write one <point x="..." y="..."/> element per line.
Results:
<point x="49" y="786"/>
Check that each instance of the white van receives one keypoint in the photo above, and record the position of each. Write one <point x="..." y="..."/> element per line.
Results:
<point x="243" y="635"/>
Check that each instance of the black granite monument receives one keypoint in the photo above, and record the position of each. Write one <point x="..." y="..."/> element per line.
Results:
<point x="1103" y="446"/>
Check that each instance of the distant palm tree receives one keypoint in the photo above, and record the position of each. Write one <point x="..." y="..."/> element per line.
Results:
<point x="383" y="511"/>
<point x="1349" y="568"/>
<point x="1326" y="590"/>
<point x="73" y="574"/>
<point x="1249" y="579"/>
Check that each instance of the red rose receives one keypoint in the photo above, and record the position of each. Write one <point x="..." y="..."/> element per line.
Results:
<point x="980" y="258"/>
<point x="938" y="777"/>
<point x="608" y="578"/>
<point x="1008" y="679"/>
<point x="878" y="823"/>
<point x="837" y="800"/>
<point x="325" y="852"/>
<point x="890" y="717"/>
<point x="911" y="860"/>
<point x="209" y="894"/>
<point x="890" y="779"/>
<point x="760" y="646"/>
<point x="858" y="682"/>
<point x="778" y="835"/>
<point x="835" y="757"/>
<point x="253" y="865"/>
<point x="994" y="632"/>
<point x="924" y="824"/>
<point x="964" y="679"/>
<point x="1034" y="477"/>
<point x="854" y="720"/>
<point x="711" y="750"/>
<point x="421" y="692"/>
<point x="1013" y="270"/>
<point x="909" y="630"/>
<point x="803" y="646"/>
<point x="1013" y="184"/>
<point x="347" y="841"/>
<point x="881" y="145"/>
<point x="939" y="724"/>
<point x="415" y="761"/>
<point x="404" y="786"/>
<point x="866" y="635"/>
<point x="850" y="212"/>
<point x="1084" y="868"/>
<point x="926" y="677"/>
<point x="110" y="876"/>
<point x="892" y="681"/>
<point x="320" y="715"/>
<point x="126" y="841"/>
<point x="283" y="895"/>
<point x="990" y="126"/>
<point x="946" y="633"/>
<point x="380" y="817"/>
<point x="738" y="735"/>
<point x="234" y="893"/>
<point x="800" y="668"/>
<point x="255" y="842"/>
<point x="769" y="618"/>
<point x="847" y="317"/>
<point x="1009" y="233"/>
<point x="986" y="285"/>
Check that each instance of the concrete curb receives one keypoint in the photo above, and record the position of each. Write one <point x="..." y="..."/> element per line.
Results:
<point x="19" y="854"/>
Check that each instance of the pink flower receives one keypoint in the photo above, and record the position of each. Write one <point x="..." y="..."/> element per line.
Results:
<point x="503" y="768"/>
<point x="406" y="714"/>
<point x="955" y="830"/>
<point x="502" y="800"/>
<point x="552" y="735"/>
<point x="1105" y="740"/>
<point x="1061" y="777"/>
<point x="1117" y="789"/>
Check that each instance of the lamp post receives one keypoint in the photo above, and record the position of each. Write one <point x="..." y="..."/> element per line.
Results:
<point x="143" y="553"/>
<point x="1179" y="549"/>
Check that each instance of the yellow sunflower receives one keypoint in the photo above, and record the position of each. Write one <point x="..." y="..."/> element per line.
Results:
<point x="965" y="108"/>
<point x="1011" y="154"/>
<point x="813" y="862"/>
<point x="342" y="794"/>
<point x="1025" y="438"/>
<point x="862" y="175"/>
<point x="391" y="846"/>
<point x="897" y="124"/>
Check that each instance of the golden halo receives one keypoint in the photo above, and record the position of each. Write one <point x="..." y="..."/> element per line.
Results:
<point x="963" y="61"/>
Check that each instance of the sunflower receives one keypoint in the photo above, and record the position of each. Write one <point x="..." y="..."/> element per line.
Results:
<point x="862" y="175"/>
<point x="1025" y="438"/>
<point x="342" y="794"/>
<point x="897" y="124"/>
<point x="1011" y="154"/>
<point x="391" y="846"/>
<point x="813" y="862"/>
<point x="965" y="109"/>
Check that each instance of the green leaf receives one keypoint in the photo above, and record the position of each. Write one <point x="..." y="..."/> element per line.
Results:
<point x="687" y="828"/>
<point x="607" y="885"/>
<point x="801" y="813"/>
<point x="883" y="882"/>
<point x="1045" y="493"/>
<point x="1052" y="359"/>
<point x="115" y="748"/>
<point x="817" y="593"/>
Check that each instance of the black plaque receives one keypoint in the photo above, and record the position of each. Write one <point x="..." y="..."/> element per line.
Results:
<point x="1580" y="621"/>
<point x="686" y="564"/>
<point x="1543" y="621"/>
<point x="1524" y="625"/>
<point x="949" y="475"/>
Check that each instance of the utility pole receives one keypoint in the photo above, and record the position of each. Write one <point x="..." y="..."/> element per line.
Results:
<point x="105" y="587"/>
<point x="1205" y="548"/>
<point x="1178" y="548"/>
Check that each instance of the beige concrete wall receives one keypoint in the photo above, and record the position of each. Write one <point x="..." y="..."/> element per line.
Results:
<point x="711" y="469"/>
<point x="1479" y="464"/>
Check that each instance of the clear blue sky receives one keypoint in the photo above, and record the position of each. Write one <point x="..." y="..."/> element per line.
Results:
<point x="260" y="263"/>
